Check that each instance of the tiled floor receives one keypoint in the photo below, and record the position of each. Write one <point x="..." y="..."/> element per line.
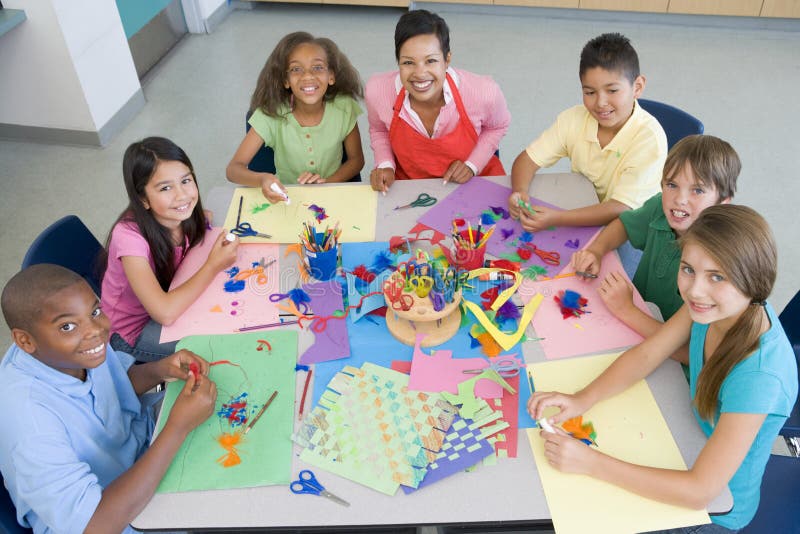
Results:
<point x="740" y="80"/>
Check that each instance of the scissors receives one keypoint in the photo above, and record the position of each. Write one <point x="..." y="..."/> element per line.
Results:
<point x="308" y="483"/>
<point x="505" y="367"/>
<point x="393" y="288"/>
<point x="550" y="258"/>
<point x="421" y="284"/>
<point x="423" y="200"/>
<point x="244" y="229"/>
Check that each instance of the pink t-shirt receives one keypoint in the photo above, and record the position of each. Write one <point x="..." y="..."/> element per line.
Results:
<point x="118" y="301"/>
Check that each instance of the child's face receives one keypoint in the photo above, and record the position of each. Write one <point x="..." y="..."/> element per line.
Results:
<point x="171" y="194"/>
<point x="684" y="198"/>
<point x="71" y="333"/>
<point x="307" y="73"/>
<point x="706" y="290"/>
<point x="609" y="96"/>
<point x="423" y="68"/>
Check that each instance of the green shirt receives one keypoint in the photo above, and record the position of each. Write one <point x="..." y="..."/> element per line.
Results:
<point x="316" y="149"/>
<point x="656" y="277"/>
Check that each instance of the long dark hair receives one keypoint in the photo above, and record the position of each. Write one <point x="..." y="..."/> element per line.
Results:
<point x="138" y="166"/>
<point x="270" y="93"/>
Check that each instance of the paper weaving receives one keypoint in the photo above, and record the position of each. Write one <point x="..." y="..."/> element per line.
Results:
<point x="369" y="428"/>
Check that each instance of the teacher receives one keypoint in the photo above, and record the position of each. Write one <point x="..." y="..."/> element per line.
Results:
<point x="429" y="119"/>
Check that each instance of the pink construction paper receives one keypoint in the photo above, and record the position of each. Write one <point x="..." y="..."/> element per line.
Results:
<point x="441" y="372"/>
<point x="216" y="311"/>
<point x="471" y="199"/>
<point x="332" y="343"/>
<point x="598" y="331"/>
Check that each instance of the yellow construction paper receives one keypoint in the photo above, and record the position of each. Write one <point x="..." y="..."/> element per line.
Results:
<point x="630" y="427"/>
<point x="354" y="207"/>
<point x="505" y="340"/>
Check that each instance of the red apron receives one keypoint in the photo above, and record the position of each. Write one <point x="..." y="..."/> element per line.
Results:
<point x="419" y="156"/>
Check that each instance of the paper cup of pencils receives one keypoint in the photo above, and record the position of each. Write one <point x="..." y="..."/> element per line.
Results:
<point x="321" y="251"/>
<point x="468" y="251"/>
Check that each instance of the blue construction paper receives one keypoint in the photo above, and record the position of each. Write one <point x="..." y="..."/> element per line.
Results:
<point x="355" y="293"/>
<point x="355" y="254"/>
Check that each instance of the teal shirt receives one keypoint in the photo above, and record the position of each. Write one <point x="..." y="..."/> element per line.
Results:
<point x="316" y="149"/>
<point x="765" y="383"/>
<point x="656" y="277"/>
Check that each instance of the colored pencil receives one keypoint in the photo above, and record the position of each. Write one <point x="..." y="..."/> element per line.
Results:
<point x="305" y="390"/>
<point x="260" y="412"/>
<point x="261" y="326"/>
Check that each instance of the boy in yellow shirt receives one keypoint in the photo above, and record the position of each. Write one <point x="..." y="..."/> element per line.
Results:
<point x="610" y="139"/>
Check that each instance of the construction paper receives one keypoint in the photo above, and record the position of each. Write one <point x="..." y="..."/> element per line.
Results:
<point x="470" y="200"/>
<point x="503" y="339"/>
<point x="284" y="221"/>
<point x="371" y="429"/>
<point x="470" y="404"/>
<point x="439" y="371"/>
<point x="217" y="311"/>
<point x="355" y="254"/>
<point x="331" y="343"/>
<point x="629" y="427"/>
<point x="266" y="451"/>
<point x="508" y="404"/>
<point x="595" y="331"/>
<point x="368" y="304"/>
<point x="464" y="446"/>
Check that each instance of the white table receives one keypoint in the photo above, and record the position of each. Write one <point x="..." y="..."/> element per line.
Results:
<point x="508" y="492"/>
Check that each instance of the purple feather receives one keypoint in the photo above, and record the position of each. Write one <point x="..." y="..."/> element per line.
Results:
<point x="506" y="233"/>
<point x="499" y="210"/>
<point x="508" y="310"/>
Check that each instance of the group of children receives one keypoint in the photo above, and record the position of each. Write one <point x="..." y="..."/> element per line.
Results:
<point x="74" y="451"/>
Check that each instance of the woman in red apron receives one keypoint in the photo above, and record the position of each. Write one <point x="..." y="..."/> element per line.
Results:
<point x="430" y="120"/>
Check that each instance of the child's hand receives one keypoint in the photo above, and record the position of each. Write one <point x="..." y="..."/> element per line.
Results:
<point x="181" y="365"/>
<point x="266" y="185"/>
<point x="586" y="261"/>
<point x="223" y="253"/>
<point x="458" y="172"/>
<point x="513" y="204"/>
<point x="538" y="218"/>
<point x="382" y="179"/>
<point x="571" y="406"/>
<point x="310" y="178"/>
<point x="616" y="293"/>
<point x="568" y="454"/>
<point x="195" y="403"/>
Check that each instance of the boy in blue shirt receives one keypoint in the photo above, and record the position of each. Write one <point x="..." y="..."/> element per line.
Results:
<point x="74" y="447"/>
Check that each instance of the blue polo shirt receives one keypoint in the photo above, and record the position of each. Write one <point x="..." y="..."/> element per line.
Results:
<point x="764" y="382"/>
<point x="64" y="440"/>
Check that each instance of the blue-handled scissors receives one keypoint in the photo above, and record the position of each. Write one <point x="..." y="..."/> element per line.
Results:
<point x="505" y="367"/>
<point x="308" y="483"/>
<point x="423" y="200"/>
<point x="244" y="229"/>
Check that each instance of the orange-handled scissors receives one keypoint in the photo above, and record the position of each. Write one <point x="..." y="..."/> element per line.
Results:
<point x="550" y="258"/>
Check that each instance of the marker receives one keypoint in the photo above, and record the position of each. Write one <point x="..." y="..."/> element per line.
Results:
<point x="275" y="187"/>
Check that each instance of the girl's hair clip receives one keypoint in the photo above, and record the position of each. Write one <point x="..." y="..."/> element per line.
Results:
<point x="759" y="303"/>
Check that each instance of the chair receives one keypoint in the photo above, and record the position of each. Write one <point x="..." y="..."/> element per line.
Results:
<point x="780" y="488"/>
<point x="67" y="242"/>
<point x="677" y="123"/>
<point x="8" y="514"/>
<point x="264" y="160"/>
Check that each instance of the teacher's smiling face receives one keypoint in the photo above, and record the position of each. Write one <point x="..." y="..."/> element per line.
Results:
<point x="422" y="68"/>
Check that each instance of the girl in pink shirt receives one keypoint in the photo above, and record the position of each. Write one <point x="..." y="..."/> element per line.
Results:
<point x="147" y="243"/>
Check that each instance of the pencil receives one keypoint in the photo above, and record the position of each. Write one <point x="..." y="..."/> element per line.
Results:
<point x="260" y="412"/>
<point x="305" y="390"/>
<point x="239" y="215"/>
<point x="269" y="325"/>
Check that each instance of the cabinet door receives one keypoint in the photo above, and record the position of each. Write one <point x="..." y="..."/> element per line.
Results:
<point x="742" y="8"/>
<point x="652" y="6"/>
<point x="781" y="8"/>
<point x="539" y="3"/>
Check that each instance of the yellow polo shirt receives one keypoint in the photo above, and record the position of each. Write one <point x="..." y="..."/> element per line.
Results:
<point x="627" y="170"/>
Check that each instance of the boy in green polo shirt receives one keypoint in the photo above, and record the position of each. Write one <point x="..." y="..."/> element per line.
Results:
<point x="700" y="171"/>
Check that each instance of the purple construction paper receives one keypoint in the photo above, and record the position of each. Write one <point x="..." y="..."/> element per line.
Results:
<point x="445" y="466"/>
<point x="332" y="343"/>
<point x="471" y="199"/>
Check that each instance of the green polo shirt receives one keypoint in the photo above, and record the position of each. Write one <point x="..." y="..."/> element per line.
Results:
<point x="656" y="277"/>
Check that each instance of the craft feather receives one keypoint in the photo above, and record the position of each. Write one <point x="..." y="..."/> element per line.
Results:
<point x="526" y="237"/>
<point x="501" y="211"/>
<point x="319" y="212"/>
<point x="488" y="218"/>
<point x="508" y="310"/>
<point x="362" y="273"/>
<point x="533" y="271"/>
<point x="298" y="296"/>
<point x="383" y="260"/>
<point x="506" y="233"/>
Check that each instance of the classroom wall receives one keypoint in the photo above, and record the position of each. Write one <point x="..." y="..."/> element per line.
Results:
<point x="208" y="7"/>
<point x="68" y="66"/>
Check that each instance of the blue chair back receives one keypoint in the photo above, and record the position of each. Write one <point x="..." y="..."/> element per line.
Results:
<point x="264" y="160"/>
<point x="677" y="123"/>
<point x="67" y="242"/>
<point x="8" y="514"/>
<point x="790" y="320"/>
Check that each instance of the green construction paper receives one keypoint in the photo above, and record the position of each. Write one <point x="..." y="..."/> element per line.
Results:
<point x="266" y="451"/>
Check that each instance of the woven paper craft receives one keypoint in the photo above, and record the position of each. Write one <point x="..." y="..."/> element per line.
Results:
<point x="471" y="199"/>
<point x="282" y="221"/>
<point x="218" y="310"/>
<point x="369" y="428"/>
<point x="464" y="446"/>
